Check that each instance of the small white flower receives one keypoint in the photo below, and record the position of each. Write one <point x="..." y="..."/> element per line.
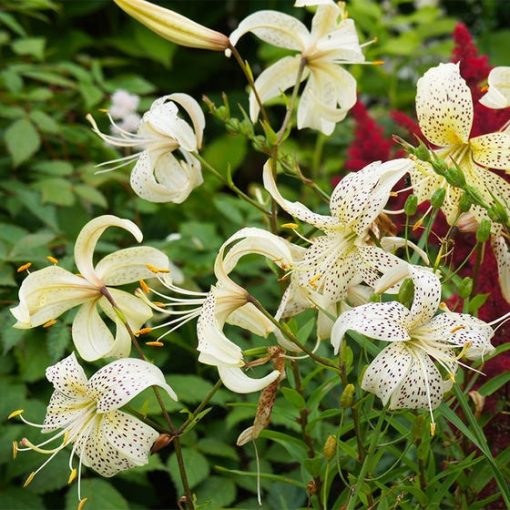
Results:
<point x="404" y="373"/>
<point x="129" y="123"/>
<point x="123" y="104"/>
<point x="86" y="415"/>
<point x="47" y="293"/>
<point x="498" y="93"/>
<point x="444" y="107"/>
<point x="330" y="91"/>
<point x="158" y="175"/>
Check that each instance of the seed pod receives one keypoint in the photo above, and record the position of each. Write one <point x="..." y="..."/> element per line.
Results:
<point x="411" y="205"/>
<point x="498" y="213"/>
<point x="465" y="203"/>
<point x="329" y="449"/>
<point x="347" y="397"/>
<point x="455" y="177"/>
<point x="422" y="152"/>
<point x="466" y="287"/>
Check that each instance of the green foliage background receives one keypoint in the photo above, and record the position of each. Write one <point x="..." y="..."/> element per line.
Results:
<point x="63" y="59"/>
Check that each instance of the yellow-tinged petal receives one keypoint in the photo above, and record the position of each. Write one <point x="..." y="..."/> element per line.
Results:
<point x="498" y="92"/>
<point x="492" y="150"/>
<point x="173" y="26"/>
<point x="444" y="106"/>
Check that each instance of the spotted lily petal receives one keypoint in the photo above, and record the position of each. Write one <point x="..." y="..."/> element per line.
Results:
<point x="444" y="106"/>
<point x="382" y="321"/>
<point x="502" y="254"/>
<point x="117" y="383"/>
<point x="492" y="150"/>
<point x="427" y="295"/>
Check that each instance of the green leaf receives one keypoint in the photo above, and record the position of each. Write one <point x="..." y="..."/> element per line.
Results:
<point x="54" y="476"/>
<point x="91" y="195"/>
<point x="10" y="336"/>
<point x="132" y="83"/>
<point x="197" y="468"/>
<point x="26" y="245"/>
<point x="44" y="122"/>
<point x="494" y="384"/>
<point x="33" y="46"/>
<point x="10" y="21"/>
<point x="12" y="81"/>
<point x="229" y="207"/>
<point x="216" y="492"/>
<point x="217" y="448"/>
<point x="294" y="398"/>
<point x="33" y="359"/>
<point x="190" y="389"/>
<point x="22" y="140"/>
<point x="90" y="93"/>
<point x="153" y="46"/>
<point x="56" y="191"/>
<point x="54" y="167"/>
<point x="224" y="151"/>
<point x="15" y="498"/>
<point x="100" y="494"/>
<point x="59" y="337"/>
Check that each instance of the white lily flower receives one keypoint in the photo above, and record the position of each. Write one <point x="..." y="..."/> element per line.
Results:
<point x="226" y="302"/>
<point x="173" y="26"/>
<point x="330" y="91"/>
<point x="444" y="107"/>
<point x="502" y="254"/>
<point x="404" y="373"/>
<point x="86" y="415"/>
<point x="47" y="293"/>
<point x="498" y="92"/>
<point x="343" y="257"/>
<point x="158" y="175"/>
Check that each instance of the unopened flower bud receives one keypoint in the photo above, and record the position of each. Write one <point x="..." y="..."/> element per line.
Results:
<point x="439" y="166"/>
<point x="497" y="213"/>
<point x="467" y="223"/>
<point x="465" y="203"/>
<point x="347" y="397"/>
<point x="484" y="231"/>
<point x="406" y="292"/>
<point x="329" y="449"/>
<point x="174" y="27"/>
<point x="161" y="442"/>
<point x="422" y="152"/>
<point x="411" y="205"/>
<point x="455" y="177"/>
<point x="437" y="198"/>
<point x="466" y="287"/>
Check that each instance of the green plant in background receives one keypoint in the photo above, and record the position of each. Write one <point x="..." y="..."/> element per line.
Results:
<point x="244" y="340"/>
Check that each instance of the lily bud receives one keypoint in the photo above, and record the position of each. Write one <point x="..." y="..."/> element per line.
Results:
<point x="437" y="198"/>
<point x="467" y="223"/>
<point x="422" y="152"/>
<point x="484" y="231"/>
<point x="465" y="203"/>
<point x="174" y="27"/>
<point x="497" y="213"/>
<point x="455" y="177"/>
<point x="411" y="205"/>
<point x="347" y="397"/>
<point x="329" y="449"/>
<point x="466" y="287"/>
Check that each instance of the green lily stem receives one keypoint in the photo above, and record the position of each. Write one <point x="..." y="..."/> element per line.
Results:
<point x="249" y="78"/>
<point x="366" y="463"/>
<point x="228" y="182"/>
<point x="303" y="422"/>
<point x="288" y="334"/>
<point x="159" y="398"/>
<point x="292" y="102"/>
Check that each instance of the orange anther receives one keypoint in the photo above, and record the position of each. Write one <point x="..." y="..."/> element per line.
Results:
<point x="24" y="267"/>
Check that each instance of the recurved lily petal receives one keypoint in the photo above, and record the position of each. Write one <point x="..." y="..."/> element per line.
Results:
<point x="48" y="293"/>
<point x="295" y="209"/>
<point x="342" y="44"/>
<point x="502" y="254"/>
<point x="492" y="150"/>
<point x="174" y="27"/>
<point x="427" y="295"/>
<point x="459" y="330"/>
<point x="252" y="319"/>
<point x="381" y="321"/>
<point x="422" y="387"/>
<point x="68" y="377"/>
<point x="275" y="28"/>
<point x="444" y="106"/>
<point x="498" y="93"/>
<point x="87" y="240"/>
<point x="117" y="383"/>
<point x="387" y="371"/>
<point x="130" y="265"/>
<point x="273" y="81"/>
<point x="236" y="380"/>
<point x="192" y="108"/>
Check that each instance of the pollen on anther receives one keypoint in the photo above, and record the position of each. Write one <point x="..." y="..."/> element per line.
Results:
<point x="14" y="449"/>
<point x="24" y="267"/>
<point x="143" y="331"/>
<point x="50" y="323"/>
<point x="155" y="343"/>
<point x="15" y="413"/>
<point x="155" y="269"/>
<point x="81" y="504"/>
<point x="28" y="481"/>
<point x="72" y="476"/>
<point x="144" y="287"/>
<point x="53" y="260"/>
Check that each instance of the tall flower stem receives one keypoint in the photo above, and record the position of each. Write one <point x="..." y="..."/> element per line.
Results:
<point x="288" y="334"/>
<point x="159" y="398"/>
<point x="366" y="463"/>
<point x="251" y="82"/>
